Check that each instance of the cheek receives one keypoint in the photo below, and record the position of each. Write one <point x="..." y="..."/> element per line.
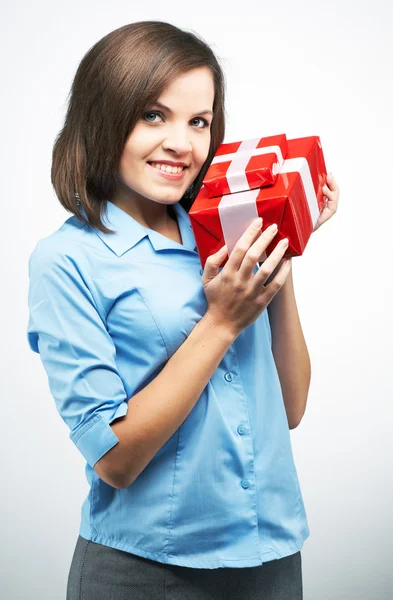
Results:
<point x="127" y="168"/>
<point x="138" y="147"/>
<point x="201" y="151"/>
<point x="132" y="159"/>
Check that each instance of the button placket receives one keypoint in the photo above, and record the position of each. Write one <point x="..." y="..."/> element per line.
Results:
<point x="246" y="484"/>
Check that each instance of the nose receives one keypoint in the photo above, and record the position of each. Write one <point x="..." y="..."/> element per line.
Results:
<point x="178" y="140"/>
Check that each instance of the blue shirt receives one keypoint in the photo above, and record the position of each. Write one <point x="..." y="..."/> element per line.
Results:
<point x="107" y="311"/>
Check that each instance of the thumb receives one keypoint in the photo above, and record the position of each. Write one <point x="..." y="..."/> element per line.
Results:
<point x="213" y="263"/>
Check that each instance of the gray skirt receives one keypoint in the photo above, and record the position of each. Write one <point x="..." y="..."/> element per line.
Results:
<point x="99" y="572"/>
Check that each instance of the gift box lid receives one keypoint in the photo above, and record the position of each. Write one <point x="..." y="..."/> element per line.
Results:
<point x="240" y="166"/>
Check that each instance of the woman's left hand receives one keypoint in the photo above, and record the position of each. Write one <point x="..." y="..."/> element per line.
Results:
<point x="331" y="193"/>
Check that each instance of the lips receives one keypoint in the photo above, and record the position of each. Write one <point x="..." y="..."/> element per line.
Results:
<point x="170" y="163"/>
<point x="153" y="164"/>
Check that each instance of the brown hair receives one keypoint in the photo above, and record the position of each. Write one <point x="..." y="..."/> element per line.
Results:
<point x="117" y="78"/>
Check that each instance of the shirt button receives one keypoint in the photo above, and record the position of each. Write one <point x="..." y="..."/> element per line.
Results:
<point x="245" y="484"/>
<point x="200" y="271"/>
<point x="228" y="377"/>
<point x="241" y="429"/>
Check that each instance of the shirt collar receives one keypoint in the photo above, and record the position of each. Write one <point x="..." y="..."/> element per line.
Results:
<point x="129" y="231"/>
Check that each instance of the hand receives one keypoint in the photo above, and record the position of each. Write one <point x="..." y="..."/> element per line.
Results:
<point x="236" y="297"/>
<point x="332" y="194"/>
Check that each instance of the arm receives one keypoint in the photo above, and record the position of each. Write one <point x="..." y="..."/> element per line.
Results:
<point x="118" y="436"/>
<point x="289" y="351"/>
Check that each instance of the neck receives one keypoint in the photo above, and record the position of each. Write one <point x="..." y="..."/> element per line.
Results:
<point x="159" y="216"/>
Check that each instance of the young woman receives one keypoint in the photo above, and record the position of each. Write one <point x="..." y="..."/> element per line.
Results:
<point x="178" y="386"/>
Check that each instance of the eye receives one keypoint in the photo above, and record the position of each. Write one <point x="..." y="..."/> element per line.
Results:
<point x="154" y="113"/>
<point x="204" y="122"/>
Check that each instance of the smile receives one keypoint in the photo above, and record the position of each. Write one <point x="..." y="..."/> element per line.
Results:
<point x="169" y="173"/>
<point x="167" y="168"/>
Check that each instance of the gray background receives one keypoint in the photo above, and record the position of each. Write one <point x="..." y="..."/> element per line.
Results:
<point x="300" y="68"/>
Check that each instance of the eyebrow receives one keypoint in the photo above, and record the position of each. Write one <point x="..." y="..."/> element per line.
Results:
<point x="201" y="112"/>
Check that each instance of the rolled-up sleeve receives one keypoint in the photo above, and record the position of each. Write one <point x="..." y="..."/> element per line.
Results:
<point x="68" y="331"/>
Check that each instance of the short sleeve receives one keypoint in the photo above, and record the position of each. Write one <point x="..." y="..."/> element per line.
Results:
<point x="66" y="328"/>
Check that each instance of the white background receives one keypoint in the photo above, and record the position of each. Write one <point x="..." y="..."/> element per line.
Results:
<point x="300" y="68"/>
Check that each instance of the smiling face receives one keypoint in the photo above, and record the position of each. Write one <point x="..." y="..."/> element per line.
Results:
<point x="179" y="133"/>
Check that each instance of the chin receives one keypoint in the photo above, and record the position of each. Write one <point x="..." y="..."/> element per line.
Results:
<point x="160" y="199"/>
<point x="166" y="196"/>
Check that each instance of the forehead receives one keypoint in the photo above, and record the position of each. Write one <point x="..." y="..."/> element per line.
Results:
<point x="195" y="88"/>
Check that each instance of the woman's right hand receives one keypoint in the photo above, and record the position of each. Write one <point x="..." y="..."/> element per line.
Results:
<point x="236" y="297"/>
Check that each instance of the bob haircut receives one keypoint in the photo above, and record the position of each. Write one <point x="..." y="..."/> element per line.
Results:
<point x="121" y="75"/>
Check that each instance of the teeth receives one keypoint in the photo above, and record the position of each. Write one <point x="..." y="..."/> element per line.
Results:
<point x="167" y="168"/>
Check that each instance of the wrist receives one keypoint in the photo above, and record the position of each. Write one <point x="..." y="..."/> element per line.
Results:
<point x="222" y="328"/>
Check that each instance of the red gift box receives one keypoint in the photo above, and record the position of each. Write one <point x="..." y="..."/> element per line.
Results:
<point x="294" y="202"/>
<point x="240" y="166"/>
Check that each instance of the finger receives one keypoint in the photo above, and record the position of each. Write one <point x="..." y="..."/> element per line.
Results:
<point x="242" y="245"/>
<point x="274" y="272"/>
<point x="213" y="263"/>
<point x="331" y="183"/>
<point x="328" y="193"/>
<point x="254" y="253"/>
<point x="330" y="202"/>
<point x="271" y="262"/>
<point x="270" y="290"/>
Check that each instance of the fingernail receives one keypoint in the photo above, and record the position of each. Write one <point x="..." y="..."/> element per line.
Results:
<point x="257" y="223"/>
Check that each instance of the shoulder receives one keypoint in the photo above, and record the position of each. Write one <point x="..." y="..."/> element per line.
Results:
<point x="74" y="245"/>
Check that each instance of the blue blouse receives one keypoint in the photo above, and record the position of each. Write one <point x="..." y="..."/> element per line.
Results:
<point x="107" y="311"/>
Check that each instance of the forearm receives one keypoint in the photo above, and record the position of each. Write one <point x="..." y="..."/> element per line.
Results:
<point x="290" y="352"/>
<point x="158" y="410"/>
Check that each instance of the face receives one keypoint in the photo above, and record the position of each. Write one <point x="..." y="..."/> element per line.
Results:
<point x="179" y="133"/>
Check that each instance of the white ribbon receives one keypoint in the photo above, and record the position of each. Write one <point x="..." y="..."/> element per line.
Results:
<point x="237" y="211"/>
<point x="236" y="173"/>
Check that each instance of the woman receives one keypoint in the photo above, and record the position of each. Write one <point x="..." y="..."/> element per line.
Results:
<point x="166" y="375"/>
